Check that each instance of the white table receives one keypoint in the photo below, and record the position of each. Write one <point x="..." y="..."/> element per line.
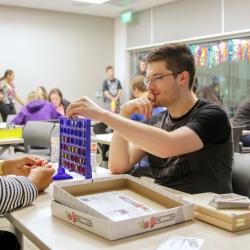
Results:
<point x="6" y="143"/>
<point x="48" y="232"/>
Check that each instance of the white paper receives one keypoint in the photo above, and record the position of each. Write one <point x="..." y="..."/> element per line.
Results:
<point x="181" y="243"/>
<point x="116" y="206"/>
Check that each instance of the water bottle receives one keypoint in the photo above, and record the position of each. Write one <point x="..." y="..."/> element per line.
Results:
<point x="55" y="143"/>
<point x="113" y="107"/>
<point x="93" y="150"/>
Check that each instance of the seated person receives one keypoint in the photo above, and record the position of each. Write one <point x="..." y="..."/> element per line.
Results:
<point x="56" y="98"/>
<point x="242" y="118"/>
<point x="36" y="110"/>
<point x="22" y="189"/>
<point x="189" y="145"/>
<point x="43" y="92"/>
<point x="139" y="90"/>
<point x="206" y="93"/>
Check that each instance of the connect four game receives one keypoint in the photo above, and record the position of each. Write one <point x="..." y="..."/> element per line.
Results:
<point x="75" y="145"/>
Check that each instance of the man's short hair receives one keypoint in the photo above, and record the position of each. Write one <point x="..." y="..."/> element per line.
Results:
<point x="109" y="67"/>
<point x="138" y="83"/>
<point x="177" y="57"/>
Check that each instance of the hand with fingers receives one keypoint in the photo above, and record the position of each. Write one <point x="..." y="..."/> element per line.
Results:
<point x="41" y="177"/>
<point x="141" y="105"/>
<point x="22" y="166"/>
<point x="85" y="107"/>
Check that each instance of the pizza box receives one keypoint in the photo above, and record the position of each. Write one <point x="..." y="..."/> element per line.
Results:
<point x="231" y="219"/>
<point x="148" y="207"/>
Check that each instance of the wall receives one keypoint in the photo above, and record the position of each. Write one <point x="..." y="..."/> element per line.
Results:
<point x="188" y="21"/>
<point x="56" y="49"/>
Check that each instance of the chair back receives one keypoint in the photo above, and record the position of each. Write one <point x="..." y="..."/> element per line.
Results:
<point x="241" y="174"/>
<point x="10" y="118"/>
<point x="37" y="133"/>
<point x="237" y="133"/>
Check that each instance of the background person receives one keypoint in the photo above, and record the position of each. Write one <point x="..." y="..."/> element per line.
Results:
<point x="7" y="95"/>
<point x="139" y="90"/>
<point x="215" y="87"/>
<point x="56" y="98"/>
<point x="36" y="109"/>
<point x="112" y="90"/>
<point x="206" y="93"/>
<point x="186" y="148"/>
<point x="42" y="90"/>
<point x="242" y="118"/>
<point x="22" y="189"/>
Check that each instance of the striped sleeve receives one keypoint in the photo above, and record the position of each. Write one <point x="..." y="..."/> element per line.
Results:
<point x="16" y="191"/>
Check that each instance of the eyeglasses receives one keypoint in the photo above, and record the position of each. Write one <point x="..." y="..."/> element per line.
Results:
<point x="146" y="80"/>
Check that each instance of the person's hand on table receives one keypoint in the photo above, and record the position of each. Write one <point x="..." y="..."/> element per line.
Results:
<point x="41" y="176"/>
<point x="22" y="166"/>
<point x="85" y="107"/>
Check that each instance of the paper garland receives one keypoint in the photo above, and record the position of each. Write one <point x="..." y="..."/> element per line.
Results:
<point x="230" y="50"/>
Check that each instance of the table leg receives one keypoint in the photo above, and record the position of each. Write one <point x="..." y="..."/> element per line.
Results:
<point x="4" y="148"/>
<point x="18" y="234"/>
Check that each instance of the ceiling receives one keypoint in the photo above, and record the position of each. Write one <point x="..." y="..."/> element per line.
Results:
<point x="111" y="8"/>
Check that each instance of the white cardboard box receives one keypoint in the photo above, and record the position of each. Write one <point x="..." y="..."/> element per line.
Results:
<point x="170" y="209"/>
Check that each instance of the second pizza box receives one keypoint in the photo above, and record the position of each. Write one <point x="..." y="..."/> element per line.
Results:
<point x="231" y="219"/>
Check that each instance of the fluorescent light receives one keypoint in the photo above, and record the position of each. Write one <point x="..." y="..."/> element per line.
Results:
<point x="92" y="1"/>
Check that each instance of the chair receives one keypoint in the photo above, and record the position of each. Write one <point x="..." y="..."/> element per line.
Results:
<point x="237" y="133"/>
<point x="35" y="133"/>
<point x="10" y="118"/>
<point x="241" y="174"/>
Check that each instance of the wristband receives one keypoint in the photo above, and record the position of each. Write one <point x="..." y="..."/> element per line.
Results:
<point x="1" y="168"/>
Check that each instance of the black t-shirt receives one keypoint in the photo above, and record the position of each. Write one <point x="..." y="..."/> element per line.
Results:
<point x="112" y="86"/>
<point x="206" y="170"/>
<point x="242" y="115"/>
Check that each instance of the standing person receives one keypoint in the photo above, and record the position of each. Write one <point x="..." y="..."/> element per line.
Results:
<point x="36" y="109"/>
<point x="7" y="95"/>
<point x="19" y="187"/>
<point x="186" y="148"/>
<point x="56" y="98"/>
<point x="42" y="90"/>
<point x="215" y="87"/>
<point x="242" y="118"/>
<point x="112" y="90"/>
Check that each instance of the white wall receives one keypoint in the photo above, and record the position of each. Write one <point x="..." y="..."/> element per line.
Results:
<point x="56" y="49"/>
<point x="121" y="70"/>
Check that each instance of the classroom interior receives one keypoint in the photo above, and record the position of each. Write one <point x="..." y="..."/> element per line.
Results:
<point x="68" y="44"/>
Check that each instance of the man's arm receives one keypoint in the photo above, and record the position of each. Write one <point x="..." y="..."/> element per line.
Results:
<point x="118" y="95"/>
<point x="143" y="137"/>
<point x="107" y="95"/>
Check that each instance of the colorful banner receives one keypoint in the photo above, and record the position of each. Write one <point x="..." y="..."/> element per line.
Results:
<point x="230" y="50"/>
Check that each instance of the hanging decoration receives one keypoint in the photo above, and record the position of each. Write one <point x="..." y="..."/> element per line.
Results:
<point x="229" y="50"/>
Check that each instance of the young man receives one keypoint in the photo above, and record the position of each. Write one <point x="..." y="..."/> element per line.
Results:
<point x="112" y="90"/>
<point x="189" y="146"/>
<point x="21" y="190"/>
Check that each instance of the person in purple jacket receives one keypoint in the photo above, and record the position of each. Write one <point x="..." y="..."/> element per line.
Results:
<point x="36" y="109"/>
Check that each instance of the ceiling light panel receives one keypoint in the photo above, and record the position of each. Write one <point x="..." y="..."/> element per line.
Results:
<point x="121" y="2"/>
<point x="92" y="1"/>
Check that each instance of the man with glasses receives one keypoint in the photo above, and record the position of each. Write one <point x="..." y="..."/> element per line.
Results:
<point x="189" y="146"/>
